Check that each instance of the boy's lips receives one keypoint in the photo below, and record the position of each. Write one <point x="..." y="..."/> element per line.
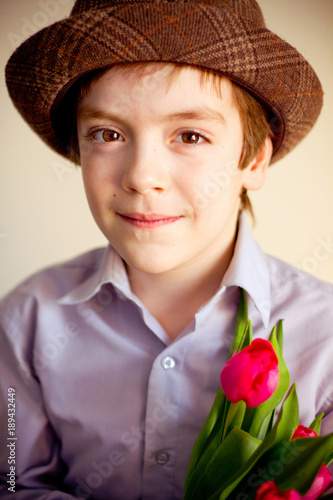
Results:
<point x="148" y="220"/>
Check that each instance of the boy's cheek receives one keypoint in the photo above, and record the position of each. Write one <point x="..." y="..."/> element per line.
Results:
<point x="216" y="185"/>
<point x="87" y="150"/>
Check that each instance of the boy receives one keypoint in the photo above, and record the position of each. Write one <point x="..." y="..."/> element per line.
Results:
<point x="114" y="358"/>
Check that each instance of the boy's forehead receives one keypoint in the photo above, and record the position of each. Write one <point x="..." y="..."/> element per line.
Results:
<point x="165" y="92"/>
<point x="139" y="81"/>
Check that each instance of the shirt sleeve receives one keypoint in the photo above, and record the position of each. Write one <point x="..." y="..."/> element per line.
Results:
<point x="30" y="462"/>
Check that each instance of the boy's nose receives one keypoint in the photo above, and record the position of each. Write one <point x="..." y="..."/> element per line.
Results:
<point x="145" y="171"/>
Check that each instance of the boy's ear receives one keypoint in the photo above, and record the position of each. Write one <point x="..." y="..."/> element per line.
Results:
<point x="255" y="172"/>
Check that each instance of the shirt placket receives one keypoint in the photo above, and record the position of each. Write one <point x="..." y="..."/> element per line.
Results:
<point x="161" y="425"/>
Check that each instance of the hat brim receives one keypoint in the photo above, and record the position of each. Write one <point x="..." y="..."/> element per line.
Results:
<point x="204" y="36"/>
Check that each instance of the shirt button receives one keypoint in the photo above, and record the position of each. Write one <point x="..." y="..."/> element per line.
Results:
<point x="162" y="457"/>
<point x="168" y="362"/>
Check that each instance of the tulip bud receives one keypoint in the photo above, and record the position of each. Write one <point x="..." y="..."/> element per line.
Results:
<point x="252" y="374"/>
<point x="303" y="432"/>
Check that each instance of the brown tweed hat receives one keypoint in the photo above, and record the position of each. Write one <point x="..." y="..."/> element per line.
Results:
<point x="228" y="37"/>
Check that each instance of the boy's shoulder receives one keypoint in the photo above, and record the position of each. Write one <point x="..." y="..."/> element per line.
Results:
<point x="52" y="282"/>
<point x="296" y="279"/>
<point x="296" y="293"/>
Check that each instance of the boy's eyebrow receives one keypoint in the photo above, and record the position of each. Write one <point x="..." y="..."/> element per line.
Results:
<point x="88" y="112"/>
<point x="202" y="113"/>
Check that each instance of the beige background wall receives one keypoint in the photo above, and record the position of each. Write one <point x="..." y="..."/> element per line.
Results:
<point x="44" y="215"/>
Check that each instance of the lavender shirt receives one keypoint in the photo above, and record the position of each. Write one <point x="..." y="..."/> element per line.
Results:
<point x="107" y="406"/>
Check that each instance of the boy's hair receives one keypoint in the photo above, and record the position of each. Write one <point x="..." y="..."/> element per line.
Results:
<point x="253" y="116"/>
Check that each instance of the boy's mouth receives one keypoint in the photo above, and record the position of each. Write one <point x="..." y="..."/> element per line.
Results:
<point x="148" y="220"/>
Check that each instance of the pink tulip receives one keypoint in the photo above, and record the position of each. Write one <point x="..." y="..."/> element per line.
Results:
<point x="252" y="374"/>
<point x="322" y="482"/>
<point x="303" y="432"/>
<point x="269" y="491"/>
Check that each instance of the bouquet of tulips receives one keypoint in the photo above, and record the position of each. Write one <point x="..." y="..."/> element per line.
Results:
<point x="242" y="451"/>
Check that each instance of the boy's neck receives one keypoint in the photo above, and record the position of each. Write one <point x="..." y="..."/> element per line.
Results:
<point x="174" y="297"/>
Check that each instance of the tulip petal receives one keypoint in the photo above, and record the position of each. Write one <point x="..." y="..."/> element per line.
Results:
<point x="269" y="491"/>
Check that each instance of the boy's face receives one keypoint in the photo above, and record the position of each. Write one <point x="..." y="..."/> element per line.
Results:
<point x="160" y="167"/>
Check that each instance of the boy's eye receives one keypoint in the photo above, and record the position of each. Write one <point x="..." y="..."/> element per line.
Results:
<point x="189" y="137"/>
<point x="107" y="136"/>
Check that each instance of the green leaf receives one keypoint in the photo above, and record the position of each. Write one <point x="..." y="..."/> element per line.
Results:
<point x="287" y="420"/>
<point x="266" y="426"/>
<point x="316" y="424"/>
<point x="208" y="452"/>
<point x="271" y="421"/>
<point x="247" y="337"/>
<point x="279" y="334"/>
<point x="241" y="322"/>
<point x="259" y="414"/>
<point x="234" y="451"/>
<point x="267" y="468"/>
<point x="282" y="430"/>
<point x="329" y="459"/>
<point x="234" y="417"/>
<point x="209" y="433"/>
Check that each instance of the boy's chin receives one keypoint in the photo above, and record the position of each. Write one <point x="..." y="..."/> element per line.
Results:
<point x="148" y="268"/>
<point x="150" y="263"/>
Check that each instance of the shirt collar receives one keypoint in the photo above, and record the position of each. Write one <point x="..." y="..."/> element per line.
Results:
<point x="248" y="270"/>
<point x="111" y="269"/>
